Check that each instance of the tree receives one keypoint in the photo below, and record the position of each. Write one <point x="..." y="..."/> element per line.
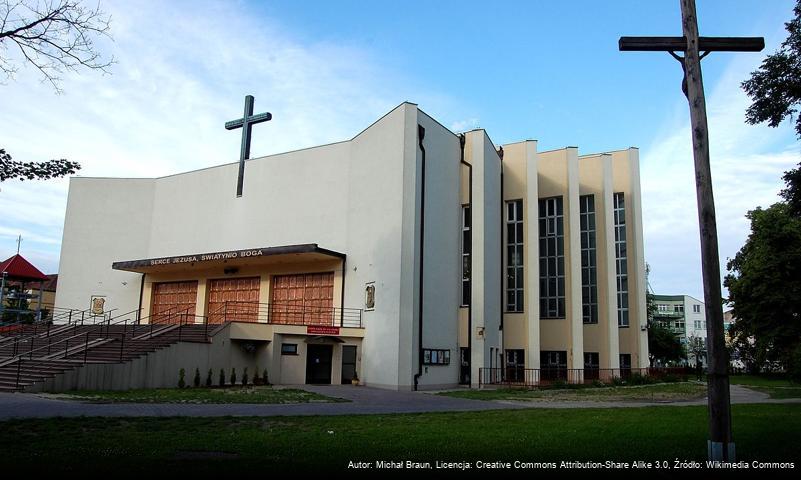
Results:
<point x="764" y="283"/>
<point x="775" y="91"/>
<point x="10" y="169"/>
<point x="52" y="35"/>
<point x="696" y="350"/>
<point x="663" y="345"/>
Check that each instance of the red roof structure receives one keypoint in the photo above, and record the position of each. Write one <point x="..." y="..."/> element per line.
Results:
<point x="19" y="269"/>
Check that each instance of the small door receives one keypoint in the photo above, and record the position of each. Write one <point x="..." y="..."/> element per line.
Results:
<point x="318" y="364"/>
<point x="234" y="299"/>
<point x="515" y="365"/>
<point x="464" y="366"/>
<point x="173" y="302"/>
<point x="348" y="363"/>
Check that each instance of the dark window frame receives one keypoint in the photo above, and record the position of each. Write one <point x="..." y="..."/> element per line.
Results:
<point x="293" y="350"/>
<point x="515" y="255"/>
<point x="589" y="259"/>
<point x="621" y="260"/>
<point x="552" y="258"/>
<point x="467" y="255"/>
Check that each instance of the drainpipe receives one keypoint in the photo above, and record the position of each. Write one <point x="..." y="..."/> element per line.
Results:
<point x="470" y="275"/>
<point x="141" y="293"/>
<point x="421" y="134"/>
<point x="342" y="298"/>
<point x="503" y="213"/>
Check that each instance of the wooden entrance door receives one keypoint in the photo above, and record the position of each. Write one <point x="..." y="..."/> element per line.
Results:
<point x="171" y="300"/>
<point x="303" y="299"/>
<point x="234" y="299"/>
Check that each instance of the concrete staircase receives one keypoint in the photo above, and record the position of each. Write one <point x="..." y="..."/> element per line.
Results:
<point x="33" y="357"/>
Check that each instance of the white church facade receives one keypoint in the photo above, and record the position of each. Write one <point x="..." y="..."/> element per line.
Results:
<point x="408" y="256"/>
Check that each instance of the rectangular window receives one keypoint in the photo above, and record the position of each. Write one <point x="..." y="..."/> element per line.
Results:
<point x="515" y="365"/>
<point x="553" y="365"/>
<point x="696" y="308"/>
<point x="467" y="249"/>
<point x="552" y="258"/>
<point x="625" y="361"/>
<point x="514" y="256"/>
<point x="621" y="261"/>
<point x="662" y="308"/>
<point x="589" y="284"/>
<point x="289" y="349"/>
<point x="678" y="308"/>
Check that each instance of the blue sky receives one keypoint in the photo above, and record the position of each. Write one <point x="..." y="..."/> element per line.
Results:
<point x="549" y="71"/>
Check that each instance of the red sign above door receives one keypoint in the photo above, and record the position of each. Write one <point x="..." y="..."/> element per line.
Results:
<point x="321" y="330"/>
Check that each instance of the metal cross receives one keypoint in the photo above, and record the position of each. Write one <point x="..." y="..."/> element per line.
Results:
<point x="246" y="123"/>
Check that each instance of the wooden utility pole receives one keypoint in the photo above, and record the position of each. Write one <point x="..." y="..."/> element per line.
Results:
<point x="721" y="444"/>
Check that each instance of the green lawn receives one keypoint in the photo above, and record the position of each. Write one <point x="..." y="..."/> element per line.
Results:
<point x="658" y="393"/>
<point x="776" y="387"/>
<point x="257" y="445"/>
<point x="261" y="394"/>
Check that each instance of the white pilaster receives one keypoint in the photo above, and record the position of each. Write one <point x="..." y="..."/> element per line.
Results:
<point x="574" y="262"/>
<point x="533" y="253"/>
<point x="608" y="288"/>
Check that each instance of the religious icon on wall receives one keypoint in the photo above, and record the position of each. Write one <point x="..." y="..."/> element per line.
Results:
<point x="98" y="305"/>
<point x="369" y="296"/>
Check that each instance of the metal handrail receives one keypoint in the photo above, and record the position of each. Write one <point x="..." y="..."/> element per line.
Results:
<point x="86" y="334"/>
<point x="515" y="376"/>
<point x="288" y="314"/>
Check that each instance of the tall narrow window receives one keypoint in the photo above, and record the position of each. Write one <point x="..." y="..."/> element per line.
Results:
<point x="514" y="256"/>
<point x="621" y="262"/>
<point x="589" y="285"/>
<point x="466" y="250"/>
<point x="552" y="258"/>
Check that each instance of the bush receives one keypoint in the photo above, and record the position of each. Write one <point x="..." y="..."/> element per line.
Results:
<point x="208" y="379"/>
<point x="245" y="377"/>
<point x="181" y="381"/>
<point x="196" y="380"/>
<point x="670" y="378"/>
<point x="794" y="365"/>
<point x="222" y="378"/>
<point x="617" y="382"/>
<point x="639" y="379"/>
<point x="265" y="378"/>
<point x="256" y="379"/>
<point x="233" y="376"/>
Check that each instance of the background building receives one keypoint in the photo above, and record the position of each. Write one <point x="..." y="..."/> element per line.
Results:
<point x="685" y="316"/>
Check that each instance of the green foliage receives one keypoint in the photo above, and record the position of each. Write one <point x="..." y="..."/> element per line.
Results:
<point x="233" y="376"/>
<point x="222" y="378"/>
<point x="775" y="88"/>
<point x="256" y="379"/>
<point x="14" y="170"/>
<point x="208" y="379"/>
<point x="265" y="378"/>
<point x="196" y="380"/>
<point x="764" y="283"/>
<point x="245" y="376"/>
<point x="664" y="345"/>
<point x="181" y="381"/>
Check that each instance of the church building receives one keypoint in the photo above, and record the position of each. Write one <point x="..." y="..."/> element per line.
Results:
<point x="409" y="256"/>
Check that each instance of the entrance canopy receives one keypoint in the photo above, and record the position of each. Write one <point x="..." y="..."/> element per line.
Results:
<point x="230" y="259"/>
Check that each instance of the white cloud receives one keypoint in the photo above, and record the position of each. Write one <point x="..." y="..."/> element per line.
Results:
<point x="747" y="165"/>
<point x="183" y="70"/>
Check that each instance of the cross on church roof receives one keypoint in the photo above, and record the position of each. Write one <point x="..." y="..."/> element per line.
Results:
<point x="245" y="123"/>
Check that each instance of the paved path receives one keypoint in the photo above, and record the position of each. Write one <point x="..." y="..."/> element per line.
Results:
<point x="363" y="400"/>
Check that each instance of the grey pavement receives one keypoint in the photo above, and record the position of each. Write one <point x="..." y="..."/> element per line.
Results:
<point x="363" y="400"/>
